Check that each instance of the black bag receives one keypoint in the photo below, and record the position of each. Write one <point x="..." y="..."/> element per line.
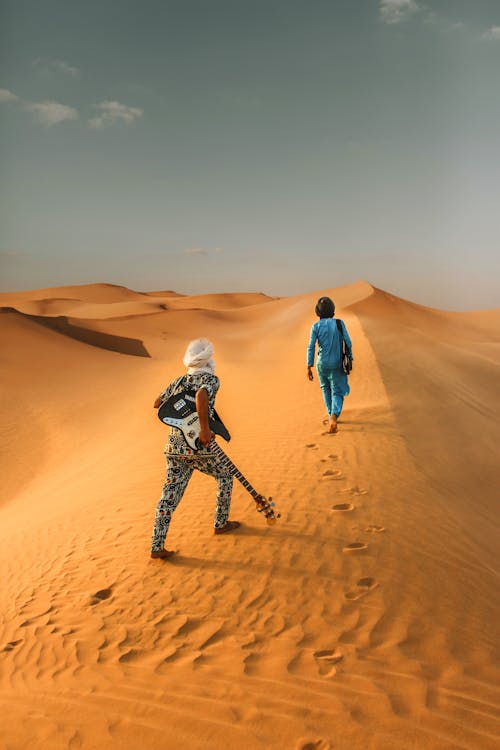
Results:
<point x="345" y="352"/>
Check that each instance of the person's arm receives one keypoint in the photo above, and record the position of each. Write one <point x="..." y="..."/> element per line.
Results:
<point x="206" y="434"/>
<point x="310" y="352"/>
<point x="162" y="397"/>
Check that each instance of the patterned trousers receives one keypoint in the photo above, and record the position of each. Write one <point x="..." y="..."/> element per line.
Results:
<point x="179" y="470"/>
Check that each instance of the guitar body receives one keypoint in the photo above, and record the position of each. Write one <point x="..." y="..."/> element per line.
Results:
<point x="179" y="411"/>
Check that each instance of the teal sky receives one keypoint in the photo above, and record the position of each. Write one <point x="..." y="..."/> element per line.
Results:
<point x="278" y="146"/>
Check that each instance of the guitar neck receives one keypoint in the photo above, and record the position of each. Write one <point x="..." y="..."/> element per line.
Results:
<point x="228" y="464"/>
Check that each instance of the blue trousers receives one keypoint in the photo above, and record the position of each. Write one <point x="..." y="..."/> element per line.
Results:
<point x="335" y="387"/>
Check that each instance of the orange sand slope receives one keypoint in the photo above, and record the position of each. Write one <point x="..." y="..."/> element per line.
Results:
<point x="366" y="618"/>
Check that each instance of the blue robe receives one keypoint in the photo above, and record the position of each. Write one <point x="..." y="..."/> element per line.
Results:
<point x="332" y="379"/>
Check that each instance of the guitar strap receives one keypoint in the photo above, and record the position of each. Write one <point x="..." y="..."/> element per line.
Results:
<point x="175" y="389"/>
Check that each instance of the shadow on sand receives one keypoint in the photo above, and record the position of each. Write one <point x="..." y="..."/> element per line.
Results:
<point x="61" y="324"/>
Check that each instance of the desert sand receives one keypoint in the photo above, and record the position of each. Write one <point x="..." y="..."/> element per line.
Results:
<point x="367" y="617"/>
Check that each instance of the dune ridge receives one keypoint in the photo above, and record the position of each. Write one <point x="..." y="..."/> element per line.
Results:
<point x="366" y="617"/>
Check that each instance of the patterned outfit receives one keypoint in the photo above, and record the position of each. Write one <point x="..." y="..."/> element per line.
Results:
<point x="332" y="378"/>
<point x="182" y="461"/>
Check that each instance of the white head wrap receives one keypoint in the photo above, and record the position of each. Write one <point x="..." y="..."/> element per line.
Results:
<point x="198" y="356"/>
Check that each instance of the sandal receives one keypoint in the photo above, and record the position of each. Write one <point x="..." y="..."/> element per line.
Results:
<point x="228" y="526"/>
<point x="163" y="554"/>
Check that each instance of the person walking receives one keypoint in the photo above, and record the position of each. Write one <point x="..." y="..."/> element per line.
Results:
<point x="332" y="378"/>
<point x="181" y="459"/>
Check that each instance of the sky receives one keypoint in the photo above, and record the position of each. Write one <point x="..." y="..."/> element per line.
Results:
<point x="280" y="146"/>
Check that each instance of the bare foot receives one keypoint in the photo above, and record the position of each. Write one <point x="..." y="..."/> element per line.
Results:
<point x="163" y="554"/>
<point x="333" y="424"/>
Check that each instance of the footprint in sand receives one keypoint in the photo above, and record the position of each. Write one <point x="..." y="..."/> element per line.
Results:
<point x="367" y="583"/>
<point x="306" y="744"/>
<point x="327" y="659"/>
<point x="100" y="596"/>
<point x="331" y="457"/>
<point x="374" y="528"/>
<point x="332" y="474"/>
<point x="343" y="507"/>
<point x="363" y="586"/>
<point x="11" y="645"/>
<point x="355" y="491"/>
<point x="354" y="547"/>
<point x="312" y="446"/>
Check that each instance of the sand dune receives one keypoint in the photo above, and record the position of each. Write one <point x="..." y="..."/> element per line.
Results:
<point x="88" y="335"/>
<point x="366" y="618"/>
<point x="108" y="301"/>
<point x="98" y="293"/>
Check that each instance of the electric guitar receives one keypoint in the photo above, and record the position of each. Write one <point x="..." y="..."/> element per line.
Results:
<point x="179" y="411"/>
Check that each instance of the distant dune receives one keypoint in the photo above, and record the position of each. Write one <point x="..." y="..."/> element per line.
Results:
<point x="366" y="618"/>
<point x="61" y="324"/>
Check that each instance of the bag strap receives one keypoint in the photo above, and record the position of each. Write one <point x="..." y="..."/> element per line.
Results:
<point x="343" y="342"/>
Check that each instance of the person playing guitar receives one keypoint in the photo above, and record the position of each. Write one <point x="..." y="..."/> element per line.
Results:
<point x="183" y="460"/>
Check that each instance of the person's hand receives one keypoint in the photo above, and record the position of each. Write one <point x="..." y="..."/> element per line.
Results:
<point x="310" y="373"/>
<point x="205" y="437"/>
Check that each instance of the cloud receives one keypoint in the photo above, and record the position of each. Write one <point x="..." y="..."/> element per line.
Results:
<point x="51" y="113"/>
<point x="112" y="113"/>
<point x="202" y="250"/>
<point x="49" y="67"/>
<point x="398" y="11"/>
<point x="493" y="33"/>
<point x="7" y="96"/>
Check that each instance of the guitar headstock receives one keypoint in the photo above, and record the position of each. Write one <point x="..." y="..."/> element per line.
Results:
<point x="266" y="506"/>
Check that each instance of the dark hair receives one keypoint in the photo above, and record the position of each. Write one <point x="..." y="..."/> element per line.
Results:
<point x="325" y="308"/>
